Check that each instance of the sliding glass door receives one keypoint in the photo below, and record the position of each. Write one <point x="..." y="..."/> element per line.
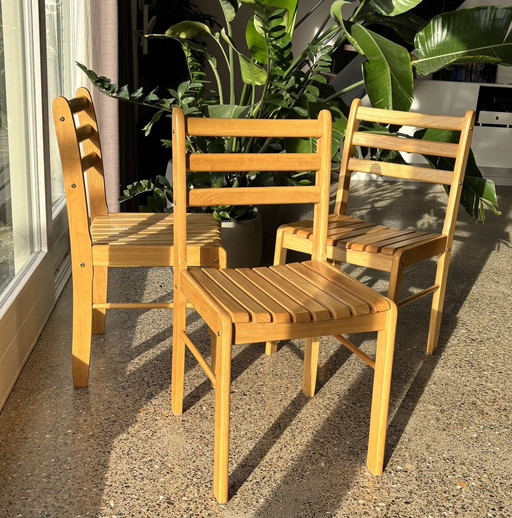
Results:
<point x="34" y="245"/>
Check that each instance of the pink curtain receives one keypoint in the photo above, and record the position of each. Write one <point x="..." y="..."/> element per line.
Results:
<point x="104" y="60"/>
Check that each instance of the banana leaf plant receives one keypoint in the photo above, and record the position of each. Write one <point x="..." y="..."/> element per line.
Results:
<point x="277" y="84"/>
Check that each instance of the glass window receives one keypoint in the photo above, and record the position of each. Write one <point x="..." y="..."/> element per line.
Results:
<point x="66" y="43"/>
<point x="19" y="239"/>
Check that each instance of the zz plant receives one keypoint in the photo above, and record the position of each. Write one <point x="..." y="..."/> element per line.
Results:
<point x="277" y="84"/>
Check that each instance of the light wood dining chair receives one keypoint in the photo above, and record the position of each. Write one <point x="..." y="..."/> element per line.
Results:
<point x="356" y="241"/>
<point x="100" y="239"/>
<point x="300" y="300"/>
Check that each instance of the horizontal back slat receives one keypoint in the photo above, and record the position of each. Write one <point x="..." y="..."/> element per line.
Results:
<point x="410" y="119"/>
<point x="212" y="162"/>
<point x="408" y="172"/>
<point x="78" y="104"/>
<point x="205" y="127"/>
<point x="84" y="132"/>
<point x="253" y="195"/>
<point x="89" y="161"/>
<point x="410" y="145"/>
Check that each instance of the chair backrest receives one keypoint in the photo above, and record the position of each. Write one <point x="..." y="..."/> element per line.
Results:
<point x="82" y="165"/>
<point x="183" y="162"/>
<point x="457" y="151"/>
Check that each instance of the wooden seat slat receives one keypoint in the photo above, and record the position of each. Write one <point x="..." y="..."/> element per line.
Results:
<point x="336" y="308"/>
<point x="356" y="305"/>
<point x="377" y="247"/>
<point x="391" y="249"/>
<point x="297" y="312"/>
<point x="371" y="237"/>
<point x="376" y="301"/>
<point x="317" y="311"/>
<point x="277" y="312"/>
<point x="237" y="312"/>
<point x="341" y="238"/>
<point x="257" y="312"/>
<point x="390" y="236"/>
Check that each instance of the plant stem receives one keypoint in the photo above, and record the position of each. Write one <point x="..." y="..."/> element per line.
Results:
<point x="231" y="64"/>
<point x="321" y="28"/>
<point x="219" y="83"/>
<point x="345" y="90"/>
<point x="358" y="10"/>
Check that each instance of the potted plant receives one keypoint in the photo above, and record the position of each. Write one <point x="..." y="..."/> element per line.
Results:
<point x="277" y="84"/>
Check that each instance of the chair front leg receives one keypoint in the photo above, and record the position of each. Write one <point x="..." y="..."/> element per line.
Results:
<point x="380" y="395"/>
<point x="178" y="352"/>
<point x="99" y="296"/>
<point x="222" y="405"/>
<point x="82" y="324"/>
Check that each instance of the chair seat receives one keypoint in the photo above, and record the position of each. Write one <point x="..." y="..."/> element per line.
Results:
<point x="311" y="291"/>
<point x="151" y="229"/>
<point x="361" y="236"/>
<point x="127" y="239"/>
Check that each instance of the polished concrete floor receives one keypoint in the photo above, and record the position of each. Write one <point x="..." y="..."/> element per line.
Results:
<point x="115" y="449"/>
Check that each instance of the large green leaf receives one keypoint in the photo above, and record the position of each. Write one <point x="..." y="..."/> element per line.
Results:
<point x="227" y="111"/>
<point x="230" y="8"/>
<point x="465" y="36"/>
<point x="252" y="74"/>
<point x="393" y="7"/>
<point x="188" y="30"/>
<point x="387" y="73"/>
<point x="256" y="41"/>
<point x="406" y="25"/>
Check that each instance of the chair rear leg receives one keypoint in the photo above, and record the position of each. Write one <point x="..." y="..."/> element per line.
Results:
<point x="310" y="365"/>
<point x="279" y="258"/>
<point x="380" y="395"/>
<point x="99" y="296"/>
<point x="178" y="353"/>
<point x="436" y="312"/>
<point x="82" y="325"/>
<point x="222" y="405"/>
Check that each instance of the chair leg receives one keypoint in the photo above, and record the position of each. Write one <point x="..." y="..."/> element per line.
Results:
<point x="395" y="280"/>
<point x="99" y="296"/>
<point x="310" y="366"/>
<point x="213" y="349"/>
<point x="279" y="258"/>
<point x="82" y="325"/>
<point x="436" y="312"/>
<point x="380" y="395"/>
<point x="222" y="404"/>
<point x="178" y="353"/>
<point x="222" y="259"/>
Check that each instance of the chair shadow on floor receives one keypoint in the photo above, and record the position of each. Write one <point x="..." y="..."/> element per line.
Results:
<point x="412" y="372"/>
<point x="122" y="385"/>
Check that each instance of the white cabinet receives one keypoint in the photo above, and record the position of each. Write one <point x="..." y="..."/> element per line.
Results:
<point x="492" y="140"/>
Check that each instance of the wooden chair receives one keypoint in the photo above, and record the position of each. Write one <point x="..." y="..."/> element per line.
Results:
<point x="359" y="242"/>
<point x="300" y="300"/>
<point x="100" y="239"/>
